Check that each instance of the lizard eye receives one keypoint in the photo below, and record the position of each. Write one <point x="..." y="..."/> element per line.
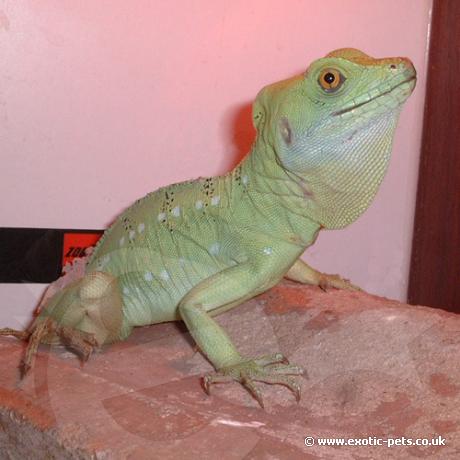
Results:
<point x="331" y="80"/>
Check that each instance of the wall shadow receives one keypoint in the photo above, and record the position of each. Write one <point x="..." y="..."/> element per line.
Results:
<point x="238" y="132"/>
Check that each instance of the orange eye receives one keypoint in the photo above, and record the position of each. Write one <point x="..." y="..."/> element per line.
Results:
<point x="331" y="80"/>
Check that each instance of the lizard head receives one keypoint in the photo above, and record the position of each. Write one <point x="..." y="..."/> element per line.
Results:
<point x="331" y="129"/>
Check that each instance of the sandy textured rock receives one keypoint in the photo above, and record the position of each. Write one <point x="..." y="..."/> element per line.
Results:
<point x="376" y="368"/>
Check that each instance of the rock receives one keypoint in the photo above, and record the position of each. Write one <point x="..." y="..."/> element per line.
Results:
<point x="376" y="369"/>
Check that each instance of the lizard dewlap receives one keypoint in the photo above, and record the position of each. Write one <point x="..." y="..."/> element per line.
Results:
<point x="192" y="250"/>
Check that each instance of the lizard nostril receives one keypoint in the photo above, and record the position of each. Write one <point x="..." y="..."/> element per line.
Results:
<point x="393" y="66"/>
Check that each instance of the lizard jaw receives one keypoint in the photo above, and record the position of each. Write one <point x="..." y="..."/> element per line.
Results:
<point x="408" y="82"/>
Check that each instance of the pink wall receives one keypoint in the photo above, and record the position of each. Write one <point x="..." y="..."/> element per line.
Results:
<point x="102" y="102"/>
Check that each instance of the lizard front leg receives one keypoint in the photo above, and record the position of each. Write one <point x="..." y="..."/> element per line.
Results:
<point x="223" y="288"/>
<point x="303" y="273"/>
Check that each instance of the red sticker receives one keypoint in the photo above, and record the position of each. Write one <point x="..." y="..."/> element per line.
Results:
<point x="75" y="244"/>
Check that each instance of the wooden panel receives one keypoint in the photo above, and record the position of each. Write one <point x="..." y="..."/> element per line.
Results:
<point x="435" y="265"/>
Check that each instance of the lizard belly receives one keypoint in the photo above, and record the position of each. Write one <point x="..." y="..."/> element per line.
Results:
<point x="149" y="298"/>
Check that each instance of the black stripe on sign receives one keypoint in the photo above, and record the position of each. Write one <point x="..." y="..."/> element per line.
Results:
<point x="37" y="255"/>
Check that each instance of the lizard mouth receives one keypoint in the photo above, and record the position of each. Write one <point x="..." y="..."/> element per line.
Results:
<point x="408" y="82"/>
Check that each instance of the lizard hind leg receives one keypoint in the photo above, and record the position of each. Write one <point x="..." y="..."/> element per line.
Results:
<point x="101" y="303"/>
<point x="89" y="314"/>
<point x="84" y="315"/>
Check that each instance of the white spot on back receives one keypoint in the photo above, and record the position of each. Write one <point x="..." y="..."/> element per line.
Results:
<point x="161" y="216"/>
<point x="181" y="261"/>
<point x="122" y="241"/>
<point x="132" y="234"/>
<point x="176" y="211"/>
<point x="148" y="276"/>
<point x="199" y="204"/>
<point x="215" y="200"/>
<point x="268" y="250"/>
<point x="245" y="180"/>
<point x="141" y="228"/>
<point x="125" y="290"/>
<point x="164" y="275"/>
<point x="214" y="248"/>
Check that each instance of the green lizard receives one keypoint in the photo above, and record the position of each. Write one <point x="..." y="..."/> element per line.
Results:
<point x="192" y="250"/>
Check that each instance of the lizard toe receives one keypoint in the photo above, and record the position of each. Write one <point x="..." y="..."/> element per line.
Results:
<point x="21" y="335"/>
<point x="248" y="383"/>
<point x="40" y="331"/>
<point x="336" y="281"/>
<point x="271" y="359"/>
<point x="83" y="342"/>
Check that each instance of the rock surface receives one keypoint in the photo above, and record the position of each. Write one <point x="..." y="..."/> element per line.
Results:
<point x="375" y="369"/>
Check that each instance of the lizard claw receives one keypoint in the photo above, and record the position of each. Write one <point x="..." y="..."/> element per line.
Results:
<point x="82" y="342"/>
<point x="271" y="369"/>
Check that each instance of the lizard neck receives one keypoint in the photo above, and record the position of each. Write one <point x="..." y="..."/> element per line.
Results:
<point x="339" y="184"/>
<point x="274" y="198"/>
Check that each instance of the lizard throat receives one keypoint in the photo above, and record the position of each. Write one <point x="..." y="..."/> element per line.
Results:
<point x="360" y="104"/>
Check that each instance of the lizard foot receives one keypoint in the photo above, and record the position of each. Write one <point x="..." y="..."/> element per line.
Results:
<point x="82" y="342"/>
<point x="327" y="281"/>
<point x="272" y="369"/>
